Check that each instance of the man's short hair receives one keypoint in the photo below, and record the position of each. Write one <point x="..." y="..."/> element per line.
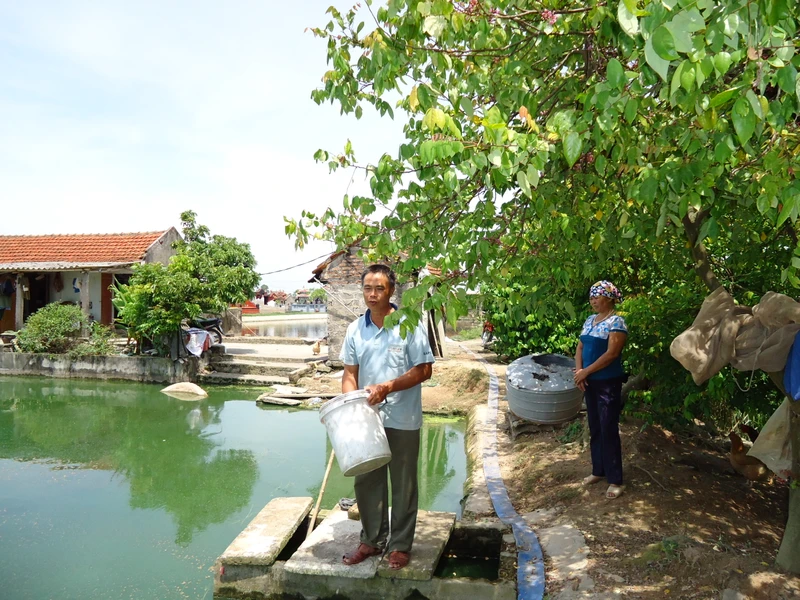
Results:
<point x="384" y="270"/>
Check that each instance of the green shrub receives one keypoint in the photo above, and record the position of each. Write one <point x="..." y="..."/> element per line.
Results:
<point x="53" y="329"/>
<point x="99" y="343"/>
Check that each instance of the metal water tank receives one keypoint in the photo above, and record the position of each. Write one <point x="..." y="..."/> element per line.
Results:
<point x="541" y="388"/>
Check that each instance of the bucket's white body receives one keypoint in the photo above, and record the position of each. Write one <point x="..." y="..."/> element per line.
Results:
<point x="356" y="433"/>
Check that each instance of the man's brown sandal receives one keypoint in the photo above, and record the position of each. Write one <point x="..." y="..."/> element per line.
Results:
<point x="398" y="559"/>
<point x="360" y="554"/>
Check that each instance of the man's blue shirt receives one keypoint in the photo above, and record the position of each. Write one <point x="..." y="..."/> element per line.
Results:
<point x="381" y="355"/>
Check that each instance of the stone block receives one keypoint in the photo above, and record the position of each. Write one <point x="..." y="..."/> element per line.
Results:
<point x="267" y="534"/>
<point x="321" y="553"/>
<point x="430" y="537"/>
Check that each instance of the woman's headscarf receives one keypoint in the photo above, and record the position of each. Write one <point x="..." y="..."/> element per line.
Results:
<point x="605" y="288"/>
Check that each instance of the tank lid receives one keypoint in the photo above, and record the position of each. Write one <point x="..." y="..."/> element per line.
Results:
<point x="542" y="373"/>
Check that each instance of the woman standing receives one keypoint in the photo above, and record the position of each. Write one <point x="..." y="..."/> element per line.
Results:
<point x="598" y="372"/>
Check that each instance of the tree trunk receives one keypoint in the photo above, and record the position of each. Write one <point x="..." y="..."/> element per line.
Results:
<point x="789" y="553"/>
<point x="692" y="223"/>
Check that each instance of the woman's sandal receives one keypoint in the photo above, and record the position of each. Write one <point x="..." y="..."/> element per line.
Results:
<point x="398" y="559"/>
<point x="614" y="491"/>
<point x="591" y="479"/>
<point x="360" y="554"/>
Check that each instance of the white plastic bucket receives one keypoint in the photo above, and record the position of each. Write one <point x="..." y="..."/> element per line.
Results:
<point x="356" y="433"/>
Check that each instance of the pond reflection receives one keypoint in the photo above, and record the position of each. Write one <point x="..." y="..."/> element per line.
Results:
<point x="114" y="490"/>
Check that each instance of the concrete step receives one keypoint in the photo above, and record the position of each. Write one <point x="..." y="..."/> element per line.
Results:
<point x="221" y="377"/>
<point x="430" y="537"/>
<point x="268" y="533"/>
<point x="274" y="357"/>
<point x="321" y="553"/>
<point x="253" y="367"/>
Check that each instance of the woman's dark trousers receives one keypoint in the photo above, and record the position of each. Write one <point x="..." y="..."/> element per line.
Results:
<point x="603" y="405"/>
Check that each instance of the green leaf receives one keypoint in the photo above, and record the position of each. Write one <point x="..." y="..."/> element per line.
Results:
<point x="662" y="219"/>
<point x="466" y="105"/>
<point x="615" y="74"/>
<point x="788" y="206"/>
<point x="787" y="78"/>
<point x="627" y="19"/>
<point x="572" y="147"/>
<point x="744" y="120"/>
<point x="778" y="10"/>
<point x="722" y="62"/>
<point x="688" y="77"/>
<point x="664" y="43"/>
<point x="631" y="109"/>
<point x="724" y="97"/>
<point x="648" y="189"/>
<point x="709" y="229"/>
<point x="533" y="176"/>
<point x="658" y="64"/>
<point x="690" y="20"/>
<point x="676" y="79"/>
<point x="434" y="25"/>
<point x="681" y="37"/>
<point x="522" y="181"/>
<point x="755" y="103"/>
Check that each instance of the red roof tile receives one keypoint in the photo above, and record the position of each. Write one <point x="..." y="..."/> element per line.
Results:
<point x="79" y="248"/>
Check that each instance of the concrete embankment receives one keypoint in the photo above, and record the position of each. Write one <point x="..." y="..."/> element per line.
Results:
<point x="147" y="369"/>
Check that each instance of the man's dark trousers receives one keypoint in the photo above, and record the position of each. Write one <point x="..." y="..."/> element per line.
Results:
<point x="372" y="495"/>
<point x="603" y="406"/>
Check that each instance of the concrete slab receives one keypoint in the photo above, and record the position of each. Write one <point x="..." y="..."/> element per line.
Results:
<point x="267" y="399"/>
<point x="431" y="535"/>
<point x="239" y="379"/>
<point x="569" y="555"/>
<point x="321" y="553"/>
<point x="263" y="539"/>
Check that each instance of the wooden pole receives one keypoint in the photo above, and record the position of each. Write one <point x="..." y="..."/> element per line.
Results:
<point x="19" y="305"/>
<point x="321" y="492"/>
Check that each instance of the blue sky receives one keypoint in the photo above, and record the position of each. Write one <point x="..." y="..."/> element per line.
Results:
<point x="116" y="116"/>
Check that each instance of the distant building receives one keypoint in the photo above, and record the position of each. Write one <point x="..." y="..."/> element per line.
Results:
<point x="340" y="275"/>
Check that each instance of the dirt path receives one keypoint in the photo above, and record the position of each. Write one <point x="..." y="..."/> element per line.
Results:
<point x="682" y="529"/>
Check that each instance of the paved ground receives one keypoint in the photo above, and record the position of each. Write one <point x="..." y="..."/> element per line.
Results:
<point x="295" y="352"/>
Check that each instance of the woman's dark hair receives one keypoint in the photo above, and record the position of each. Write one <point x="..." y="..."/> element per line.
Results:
<point x="384" y="270"/>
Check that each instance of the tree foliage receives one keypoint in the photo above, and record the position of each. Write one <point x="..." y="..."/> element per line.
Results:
<point x="205" y="275"/>
<point x="551" y="143"/>
<point x="554" y="142"/>
<point x="318" y="293"/>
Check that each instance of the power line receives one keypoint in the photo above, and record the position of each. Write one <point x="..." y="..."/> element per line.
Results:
<point x="298" y="265"/>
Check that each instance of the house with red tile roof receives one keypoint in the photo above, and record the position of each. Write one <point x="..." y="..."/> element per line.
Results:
<point x="78" y="268"/>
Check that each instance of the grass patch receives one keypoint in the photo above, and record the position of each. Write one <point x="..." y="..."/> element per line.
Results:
<point x="473" y="333"/>
<point x="572" y="432"/>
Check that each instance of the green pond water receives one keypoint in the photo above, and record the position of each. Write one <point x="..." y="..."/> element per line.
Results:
<point x="114" y="490"/>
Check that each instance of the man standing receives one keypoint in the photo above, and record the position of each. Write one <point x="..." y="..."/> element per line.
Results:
<point x="391" y="369"/>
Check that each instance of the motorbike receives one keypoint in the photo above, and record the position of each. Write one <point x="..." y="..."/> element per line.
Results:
<point x="213" y="325"/>
<point x="488" y="334"/>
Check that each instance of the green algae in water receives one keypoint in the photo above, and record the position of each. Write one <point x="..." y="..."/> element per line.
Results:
<point x="114" y="490"/>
